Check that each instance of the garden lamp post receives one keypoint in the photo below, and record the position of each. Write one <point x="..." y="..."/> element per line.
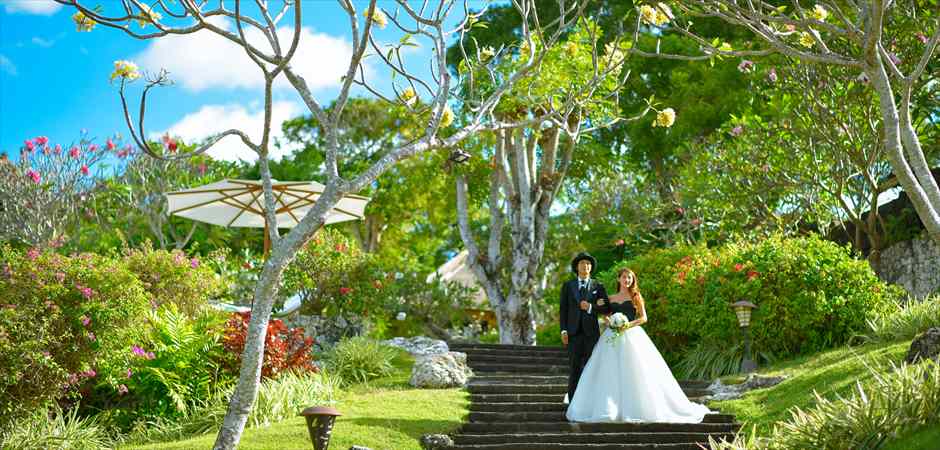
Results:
<point x="320" y="425"/>
<point x="742" y="309"/>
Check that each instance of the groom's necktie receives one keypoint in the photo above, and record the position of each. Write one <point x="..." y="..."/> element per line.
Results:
<point x="582" y="290"/>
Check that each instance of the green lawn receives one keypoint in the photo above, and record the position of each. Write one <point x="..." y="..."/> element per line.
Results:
<point x="925" y="438"/>
<point x="387" y="414"/>
<point x="830" y="372"/>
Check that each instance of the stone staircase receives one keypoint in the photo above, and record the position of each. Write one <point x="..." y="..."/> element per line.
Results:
<point x="516" y="403"/>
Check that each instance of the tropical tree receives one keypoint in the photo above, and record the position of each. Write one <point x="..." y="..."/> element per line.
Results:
<point x="273" y="57"/>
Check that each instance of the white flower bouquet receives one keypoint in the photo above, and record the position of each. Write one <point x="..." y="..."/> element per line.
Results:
<point x="618" y="324"/>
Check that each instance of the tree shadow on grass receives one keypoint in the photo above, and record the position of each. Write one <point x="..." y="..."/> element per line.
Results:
<point x="414" y="428"/>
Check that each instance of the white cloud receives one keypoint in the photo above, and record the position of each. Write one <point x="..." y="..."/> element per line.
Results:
<point x="205" y="60"/>
<point x="212" y="119"/>
<point x="45" y="43"/>
<point x="7" y="66"/>
<point x="40" y="7"/>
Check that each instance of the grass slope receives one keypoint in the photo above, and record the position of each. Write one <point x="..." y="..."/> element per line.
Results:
<point x="386" y="414"/>
<point x="828" y="373"/>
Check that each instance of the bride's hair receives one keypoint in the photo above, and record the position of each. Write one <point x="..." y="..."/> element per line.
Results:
<point x="633" y="288"/>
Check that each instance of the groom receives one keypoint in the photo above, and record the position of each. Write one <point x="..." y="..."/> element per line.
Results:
<point x="581" y="300"/>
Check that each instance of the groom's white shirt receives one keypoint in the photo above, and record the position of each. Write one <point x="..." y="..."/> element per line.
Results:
<point x="582" y="283"/>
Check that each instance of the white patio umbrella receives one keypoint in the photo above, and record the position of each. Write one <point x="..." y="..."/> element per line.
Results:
<point x="240" y="203"/>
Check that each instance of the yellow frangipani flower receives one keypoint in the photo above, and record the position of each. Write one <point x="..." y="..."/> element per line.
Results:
<point x="125" y="69"/>
<point x="409" y="96"/>
<point x="147" y="16"/>
<point x="665" y="118"/>
<point x="378" y="17"/>
<point x="486" y="53"/>
<point x="658" y="15"/>
<point x="614" y="54"/>
<point x="806" y="40"/>
<point x="447" y="117"/>
<point x="819" y="13"/>
<point x="83" y="22"/>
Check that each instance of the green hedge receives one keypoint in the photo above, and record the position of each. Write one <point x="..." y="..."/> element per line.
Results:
<point x="811" y="294"/>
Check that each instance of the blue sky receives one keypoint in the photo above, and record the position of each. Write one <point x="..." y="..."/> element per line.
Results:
<point x="54" y="80"/>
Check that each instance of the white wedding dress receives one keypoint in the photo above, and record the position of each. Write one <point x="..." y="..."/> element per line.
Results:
<point x="627" y="380"/>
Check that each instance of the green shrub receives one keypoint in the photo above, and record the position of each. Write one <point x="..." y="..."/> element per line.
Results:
<point x="548" y="335"/>
<point x="173" y="277"/>
<point x="359" y="359"/>
<point x="710" y="360"/>
<point x="176" y="364"/>
<point x="905" y="322"/>
<point x="811" y="294"/>
<point x="279" y="399"/>
<point x="59" y="316"/>
<point x="55" y="429"/>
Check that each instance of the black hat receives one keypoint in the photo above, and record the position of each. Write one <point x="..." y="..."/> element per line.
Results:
<point x="579" y="257"/>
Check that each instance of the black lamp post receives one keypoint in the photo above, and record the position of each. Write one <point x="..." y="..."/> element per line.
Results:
<point x="320" y="425"/>
<point x="742" y="309"/>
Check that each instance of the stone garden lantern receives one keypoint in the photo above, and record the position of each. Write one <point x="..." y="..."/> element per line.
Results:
<point x="742" y="309"/>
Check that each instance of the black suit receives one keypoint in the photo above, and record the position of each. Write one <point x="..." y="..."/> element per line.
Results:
<point x="581" y="326"/>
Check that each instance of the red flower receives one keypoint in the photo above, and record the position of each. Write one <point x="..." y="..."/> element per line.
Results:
<point x="738" y="267"/>
<point x="345" y="290"/>
<point x="85" y="170"/>
<point x="111" y="145"/>
<point x="618" y="242"/>
<point x="341" y="247"/>
<point x="680" y="210"/>
<point x="29" y="145"/>
<point x="42" y="140"/>
<point x="696" y="222"/>
<point x="377" y="284"/>
<point x="752" y="274"/>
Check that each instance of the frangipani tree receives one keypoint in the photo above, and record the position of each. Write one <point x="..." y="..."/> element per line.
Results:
<point x="575" y="91"/>
<point x="273" y="56"/>
<point x="44" y="194"/>
<point x="859" y="35"/>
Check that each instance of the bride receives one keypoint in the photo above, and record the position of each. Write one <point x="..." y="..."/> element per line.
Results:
<point x="626" y="379"/>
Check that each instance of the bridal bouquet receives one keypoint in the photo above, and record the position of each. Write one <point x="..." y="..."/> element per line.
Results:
<point x="618" y="324"/>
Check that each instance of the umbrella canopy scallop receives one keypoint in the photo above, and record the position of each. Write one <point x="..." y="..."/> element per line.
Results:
<point x="240" y="203"/>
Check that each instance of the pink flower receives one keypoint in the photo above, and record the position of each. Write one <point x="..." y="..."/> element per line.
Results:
<point x="696" y="222"/>
<point x="110" y="144"/>
<point x="42" y="140"/>
<point x="90" y="373"/>
<point x="736" y="131"/>
<point x="150" y="355"/>
<point x="137" y="351"/>
<point x="75" y="152"/>
<point x="93" y="147"/>
<point x="47" y="354"/>
<point x="921" y="37"/>
<point x="894" y="59"/>
<point x="129" y="373"/>
<point x="194" y="263"/>
<point x="87" y="292"/>
<point x="91" y="337"/>
<point x="85" y="170"/>
<point x="618" y="242"/>
<point x="746" y="66"/>
<point x="58" y="149"/>
<point x="772" y="75"/>
<point x="32" y="174"/>
<point x="86" y="320"/>
<point x="202" y="169"/>
<point x="738" y="267"/>
<point x="29" y="145"/>
<point x="680" y="210"/>
<point x="32" y="254"/>
<point x="73" y="378"/>
<point x="122" y="153"/>
<point x="122" y="389"/>
<point x="345" y="290"/>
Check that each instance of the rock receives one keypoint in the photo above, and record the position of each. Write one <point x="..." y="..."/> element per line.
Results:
<point x="925" y="346"/>
<point x="359" y="447"/>
<point x="436" y="441"/>
<point x="441" y="371"/>
<point x="721" y="391"/>
<point x="419" y="345"/>
<point x="327" y="331"/>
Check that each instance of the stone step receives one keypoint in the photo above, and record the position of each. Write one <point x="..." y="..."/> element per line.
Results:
<point x="536" y="398"/>
<point x="547" y="446"/>
<point x="558" y="416"/>
<point x="521" y="368"/>
<point x="517" y="406"/>
<point x="570" y="427"/>
<point x="460" y="347"/>
<point x="590" y="438"/>
<point x="475" y="387"/>
<point x="525" y="378"/>
<point x="539" y="360"/>
<point x="495" y="352"/>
